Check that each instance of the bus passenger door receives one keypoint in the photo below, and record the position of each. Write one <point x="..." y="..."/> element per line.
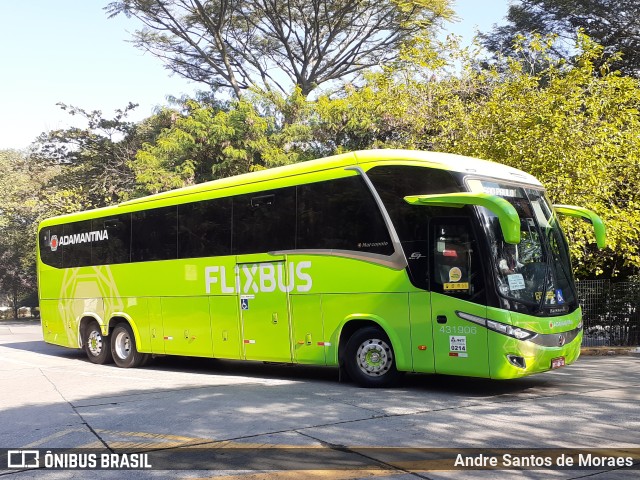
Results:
<point x="262" y="286"/>
<point x="457" y="299"/>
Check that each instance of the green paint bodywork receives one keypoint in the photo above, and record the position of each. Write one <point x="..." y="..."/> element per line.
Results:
<point x="596" y="221"/>
<point x="507" y="215"/>
<point x="290" y="307"/>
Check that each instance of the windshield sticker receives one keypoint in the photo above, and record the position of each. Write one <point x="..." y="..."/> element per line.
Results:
<point x="455" y="274"/>
<point x="460" y="286"/>
<point x="559" y="297"/>
<point x="516" y="282"/>
<point x="550" y="295"/>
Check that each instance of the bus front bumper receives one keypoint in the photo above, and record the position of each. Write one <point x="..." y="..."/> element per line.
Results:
<point x="512" y="358"/>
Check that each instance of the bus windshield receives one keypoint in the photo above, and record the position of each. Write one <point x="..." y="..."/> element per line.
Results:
<point x="535" y="275"/>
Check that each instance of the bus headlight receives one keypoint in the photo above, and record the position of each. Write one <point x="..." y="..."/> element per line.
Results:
<point x="519" y="333"/>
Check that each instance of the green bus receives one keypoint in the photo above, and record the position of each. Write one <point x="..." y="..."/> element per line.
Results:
<point x="376" y="262"/>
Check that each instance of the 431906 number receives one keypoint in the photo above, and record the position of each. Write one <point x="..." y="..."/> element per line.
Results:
<point x="459" y="330"/>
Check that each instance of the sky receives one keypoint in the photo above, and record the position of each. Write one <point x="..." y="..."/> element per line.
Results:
<point x="69" y="51"/>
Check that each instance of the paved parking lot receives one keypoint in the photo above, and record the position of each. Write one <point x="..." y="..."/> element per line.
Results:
<point x="52" y="397"/>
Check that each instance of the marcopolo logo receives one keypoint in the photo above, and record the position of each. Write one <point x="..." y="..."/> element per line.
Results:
<point x="77" y="238"/>
<point x="260" y="277"/>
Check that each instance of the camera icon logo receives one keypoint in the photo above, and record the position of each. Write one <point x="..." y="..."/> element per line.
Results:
<point x="23" y="459"/>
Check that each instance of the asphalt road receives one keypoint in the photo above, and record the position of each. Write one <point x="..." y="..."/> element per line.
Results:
<point x="52" y="397"/>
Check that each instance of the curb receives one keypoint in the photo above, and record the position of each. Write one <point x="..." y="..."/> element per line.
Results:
<point x="609" y="351"/>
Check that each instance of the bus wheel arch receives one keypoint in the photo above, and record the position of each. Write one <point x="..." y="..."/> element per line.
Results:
<point x="366" y="354"/>
<point x="124" y="344"/>
<point x="95" y="344"/>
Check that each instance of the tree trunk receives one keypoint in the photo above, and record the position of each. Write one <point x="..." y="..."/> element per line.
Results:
<point x="14" y="295"/>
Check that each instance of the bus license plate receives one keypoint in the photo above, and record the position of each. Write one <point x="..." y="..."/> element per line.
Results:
<point x="557" y="362"/>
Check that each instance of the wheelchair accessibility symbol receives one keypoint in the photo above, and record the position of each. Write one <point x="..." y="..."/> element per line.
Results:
<point x="244" y="301"/>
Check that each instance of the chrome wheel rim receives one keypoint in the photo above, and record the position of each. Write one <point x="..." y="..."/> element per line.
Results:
<point x="94" y="343"/>
<point x="122" y="345"/>
<point x="374" y="357"/>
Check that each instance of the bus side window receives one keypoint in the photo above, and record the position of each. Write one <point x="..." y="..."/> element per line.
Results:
<point x="154" y="234"/>
<point x="456" y="269"/>
<point x="393" y="183"/>
<point x="264" y="221"/>
<point x="78" y="252"/>
<point x="340" y="214"/>
<point x="51" y="253"/>
<point x="116" y="248"/>
<point x="204" y="228"/>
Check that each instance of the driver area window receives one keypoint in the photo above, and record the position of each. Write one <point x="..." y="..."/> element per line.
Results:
<point x="456" y="267"/>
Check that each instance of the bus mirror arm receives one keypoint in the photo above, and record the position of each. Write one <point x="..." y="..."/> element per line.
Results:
<point x="580" y="212"/>
<point x="506" y="213"/>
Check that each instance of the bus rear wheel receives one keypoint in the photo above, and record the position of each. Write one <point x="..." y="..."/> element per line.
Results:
<point x="95" y="345"/>
<point x="123" y="348"/>
<point x="369" y="358"/>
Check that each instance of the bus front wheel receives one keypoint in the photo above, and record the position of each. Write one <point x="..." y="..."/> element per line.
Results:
<point x="123" y="348"/>
<point x="369" y="358"/>
<point x="95" y="345"/>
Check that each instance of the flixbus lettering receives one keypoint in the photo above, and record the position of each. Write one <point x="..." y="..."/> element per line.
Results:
<point x="260" y="277"/>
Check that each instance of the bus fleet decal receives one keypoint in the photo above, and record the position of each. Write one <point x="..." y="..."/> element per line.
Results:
<point x="77" y="238"/>
<point x="260" y="277"/>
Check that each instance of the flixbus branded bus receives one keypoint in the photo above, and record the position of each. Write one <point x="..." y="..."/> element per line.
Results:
<point x="378" y="262"/>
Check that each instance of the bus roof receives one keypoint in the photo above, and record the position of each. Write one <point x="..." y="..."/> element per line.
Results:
<point x="447" y="161"/>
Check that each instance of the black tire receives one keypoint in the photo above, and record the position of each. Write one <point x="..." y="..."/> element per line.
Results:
<point x="95" y="345"/>
<point x="123" y="347"/>
<point x="369" y="358"/>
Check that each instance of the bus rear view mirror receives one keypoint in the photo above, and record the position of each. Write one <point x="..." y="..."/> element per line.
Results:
<point x="506" y="213"/>
<point x="580" y="212"/>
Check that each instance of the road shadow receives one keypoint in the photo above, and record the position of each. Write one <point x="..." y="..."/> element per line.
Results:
<point x="290" y="372"/>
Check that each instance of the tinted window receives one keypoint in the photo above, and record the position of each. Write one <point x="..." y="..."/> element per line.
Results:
<point x="264" y="221"/>
<point x="154" y="234"/>
<point x="340" y="214"/>
<point x="112" y="240"/>
<point x="204" y="228"/>
<point x="393" y="183"/>
<point x="76" y="242"/>
<point x="51" y="253"/>
<point x="411" y="222"/>
<point x="456" y="262"/>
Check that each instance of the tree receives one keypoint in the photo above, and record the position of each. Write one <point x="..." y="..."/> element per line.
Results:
<point x="267" y="44"/>
<point x="205" y="142"/>
<point x="614" y="24"/>
<point x="94" y="160"/>
<point x="25" y="201"/>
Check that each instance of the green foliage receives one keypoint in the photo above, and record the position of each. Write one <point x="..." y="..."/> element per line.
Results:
<point x="206" y="142"/>
<point x="93" y="160"/>
<point x="26" y="199"/>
